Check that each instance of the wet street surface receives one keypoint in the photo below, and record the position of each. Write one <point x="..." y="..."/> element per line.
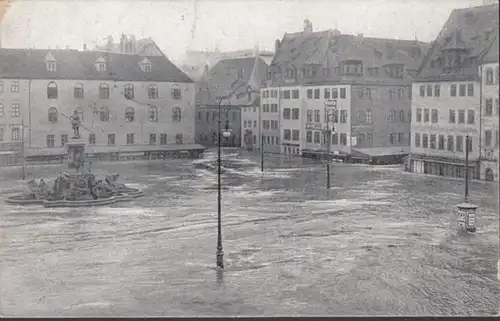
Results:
<point x="380" y="242"/>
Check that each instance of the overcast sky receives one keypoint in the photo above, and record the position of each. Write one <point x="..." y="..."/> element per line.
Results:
<point x="177" y="26"/>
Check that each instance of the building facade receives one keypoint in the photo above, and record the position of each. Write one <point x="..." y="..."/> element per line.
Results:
<point x="447" y="102"/>
<point x="122" y="100"/>
<point x="357" y="85"/>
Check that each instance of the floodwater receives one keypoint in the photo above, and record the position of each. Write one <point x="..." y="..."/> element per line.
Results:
<point x="380" y="242"/>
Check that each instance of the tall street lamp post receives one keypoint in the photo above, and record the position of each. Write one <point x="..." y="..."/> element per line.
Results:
<point x="328" y="133"/>
<point x="220" y="253"/>
<point x="466" y="210"/>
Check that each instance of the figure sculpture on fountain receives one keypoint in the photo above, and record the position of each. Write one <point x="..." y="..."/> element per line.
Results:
<point x="75" y="124"/>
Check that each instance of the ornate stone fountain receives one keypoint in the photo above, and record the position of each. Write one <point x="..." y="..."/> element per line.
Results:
<point x="78" y="189"/>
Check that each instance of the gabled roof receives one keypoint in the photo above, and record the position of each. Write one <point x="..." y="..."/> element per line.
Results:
<point x="73" y="64"/>
<point x="473" y="29"/>
<point x="224" y="80"/>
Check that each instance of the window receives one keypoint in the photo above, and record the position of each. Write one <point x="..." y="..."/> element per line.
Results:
<point x="401" y="138"/>
<point x="245" y="124"/>
<point x="50" y="141"/>
<point x="422" y="90"/>
<point x="309" y="136"/>
<point x="111" y="139"/>
<point x="402" y="116"/>
<point x="417" y="140"/>
<point x="335" y="116"/>
<point x="2" y="129"/>
<point x="14" y="86"/>
<point x="470" y="90"/>
<point x="391" y="116"/>
<point x="104" y="91"/>
<point x="462" y="88"/>
<point x="327" y="93"/>
<point x="401" y="94"/>
<point x="497" y="75"/>
<point x="104" y="114"/>
<point x="470" y="117"/>
<point x="265" y="108"/>
<point x="441" y="142"/>
<point x="274" y="108"/>
<point x="286" y="113"/>
<point x="1" y="86"/>
<point x="309" y="94"/>
<point x="176" y="115"/>
<point x="342" y="93"/>
<point x="265" y="124"/>
<point x="163" y="139"/>
<point x="295" y="94"/>
<point x="176" y="92"/>
<point x="52" y="90"/>
<point x="317" y="116"/>
<point x="286" y="94"/>
<point x="101" y="66"/>
<point x="426" y="115"/>
<point x="274" y="124"/>
<point x="317" y="137"/>
<point x="361" y="116"/>
<point x="461" y="116"/>
<point x="453" y="90"/>
<point x="425" y="141"/>
<point x="295" y="134"/>
<point x="92" y="139"/>
<point x="469" y="145"/>
<point x="254" y="124"/>
<point x="153" y="114"/>
<point x="437" y="90"/>
<point x="487" y="138"/>
<point x="147" y="67"/>
<point x="343" y="116"/>
<point x="152" y="92"/>
<point x="129" y="114"/>
<point x="64" y="139"/>
<point x="309" y="116"/>
<point x="419" y="115"/>
<point x="391" y="139"/>
<point x="434" y="116"/>
<point x="335" y="93"/>
<point x="335" y="139"/>
<point x="129" y="91"/>
<point x="287" y="134"/>
<point x="433" y="141"/>
<point x="52" y="115"/>
<point x="429" y="90"/>
<point x="488" y="107"/>
<point x="391" y="94"/>
<point x="152" y="139"/>
<point x="368" y="116"/>
<point x="489" y="76"/>
<point x="78" y="91"/>
<point x="450" y="143"/>
<point x="16" y="110"/>
<point x="496" y="107"/>
<point x="460" y="144"/>
<point x="51" y="65"/>
<point x="130" y="139"/>
<point x="316" y="93"/>
<point x="343" y="139"/>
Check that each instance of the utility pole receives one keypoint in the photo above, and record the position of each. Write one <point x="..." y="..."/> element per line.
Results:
<point x="23" y="163"/>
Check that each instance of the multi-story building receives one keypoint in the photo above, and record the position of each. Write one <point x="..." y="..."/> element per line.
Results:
<point x="239" y="81"/>
<point x="447" y="104"/>
<point x="127" y="103"/>
<point x="490" y="115"/>
<point x="361" y="85"/>
<point x="269" y="118"/>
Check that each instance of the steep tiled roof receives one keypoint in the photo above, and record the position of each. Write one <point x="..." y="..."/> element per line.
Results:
<point x="471" y="30"/>
<point x="327" y="49"/>
<point x="224" y="79"/>
<point x="73" y="64"/>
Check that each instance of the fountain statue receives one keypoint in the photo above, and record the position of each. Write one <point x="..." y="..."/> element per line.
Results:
<point x="77" y="189"/>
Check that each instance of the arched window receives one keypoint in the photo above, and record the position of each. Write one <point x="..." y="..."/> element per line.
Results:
<point x="129" y="114"/>
<point x="153" y="113"/>
<point x="79" y="112"/>
<point x="176" y="114"/>
<point x="152" y="92"/>
<point x="52" y="115"/>
<point x="104" y="114"/>
<point x="104" y="91"/>
<point x="78" y="91"/>
<point x="52" y="90"/>
<point x="489" y="76"/>
<point x="129" y="91"/>
<point x="176" y="92"/>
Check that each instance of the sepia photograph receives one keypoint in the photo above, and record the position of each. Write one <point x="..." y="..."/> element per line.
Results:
<point x="249" y="158"/>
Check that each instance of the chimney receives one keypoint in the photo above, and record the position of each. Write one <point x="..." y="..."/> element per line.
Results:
<point x="133" y="43"/>
<point x="277" y="45"/>
<point x="109" y="45"/>
<point x="123" y="40"/>
<point x="308" y="27"/>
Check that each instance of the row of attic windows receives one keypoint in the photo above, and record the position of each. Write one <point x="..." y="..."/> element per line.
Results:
<point x="350" y="68"/>
<point x="100" y="64"/>
<point x="128" y="91"/>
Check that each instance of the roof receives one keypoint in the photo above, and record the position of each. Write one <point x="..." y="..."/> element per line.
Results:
<point x="327" y="49"/>
<point x="224" y="80"/>
<point x="469" y="30"/>
<point x="74" y="64"/>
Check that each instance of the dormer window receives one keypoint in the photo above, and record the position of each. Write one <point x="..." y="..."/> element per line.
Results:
<point x="100" y="64"/>
<point x="394" y="71"/>
<point x="290" y="73"/>
<point x="352" y="67"/>
<point x="50" y="62"/>
<point x="145" y="65"/>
